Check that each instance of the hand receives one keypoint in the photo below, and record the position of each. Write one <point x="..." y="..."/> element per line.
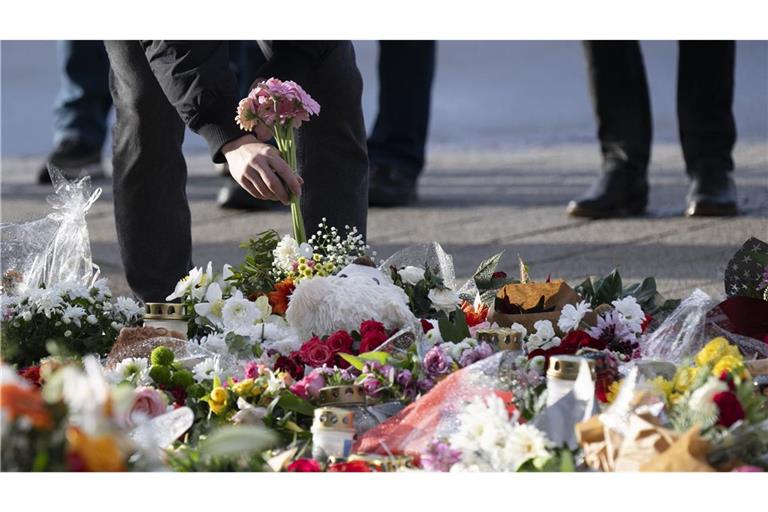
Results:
<point x="258" y="168"/>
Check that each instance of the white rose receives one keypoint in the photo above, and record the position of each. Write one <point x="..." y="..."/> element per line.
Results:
<point x="412" y="275"/>
<point x="444" y="299"/>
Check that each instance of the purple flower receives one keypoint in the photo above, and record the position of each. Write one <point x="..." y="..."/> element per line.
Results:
<point x="371" y="385"/>
<point x="425" y="385"/>
<point x="473" y="355"/>
<point x="404" y="378"/>
<point x="440" y="456"/>
<point x="436" y="362"/>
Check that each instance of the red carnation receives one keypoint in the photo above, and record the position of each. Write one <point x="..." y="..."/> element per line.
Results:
<point x="725" y="376"/>
<point x="731" y="410"/>
<point x="291" y="364"/>
<point x="372" y="340"/>
<point x="646" y="322"/>
<point x="371" y="325"/>
<point x="32" y="374"/>
<point x="356" y="466"/>
<point x="426" y="325"/>
<point x="304" y="466"/>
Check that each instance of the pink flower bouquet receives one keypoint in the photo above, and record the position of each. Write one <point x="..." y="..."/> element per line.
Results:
<point x="274" y="109"/>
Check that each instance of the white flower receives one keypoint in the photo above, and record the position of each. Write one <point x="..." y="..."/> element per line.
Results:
<point x="116" y="326"/>
<point x="537" y="364"/>
<point x="526" y="443"/>
<point x="73" y="290"/>
<point x="412" y="275"/>
<point x="444" y="299"/>
<point x="214" y="305"/>
<point x="128" y="307"/>
<point x="215" y="343"/>
<point x="193" y="284"/>
<point x="702" y="399"/>
<point x="434" y="337"/>
<point x="67" y="334"/>
<point x="73" y="314"/>
<point x="131" y="369"/>
<point x="544" y="338"/>
<point x="288" y="250"/>
<point x="239" y="312"/>
<point x="456" y="349"/>
<point x="49" y="302"/>
<point x="571" y="316"/>
<point x="544" y="329"/>
<point x="26" y="316"/>
<point x="101" y="288"/>
<point x="630" y="313"/>
<point x="91" y="319"/>
<point x="274" y="383"/>
<point x="515" y="327"/>
<point x="207" y="368"/>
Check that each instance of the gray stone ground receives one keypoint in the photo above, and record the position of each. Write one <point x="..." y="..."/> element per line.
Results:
<point x="479" y="203"/>
<point x="522" y="107"/>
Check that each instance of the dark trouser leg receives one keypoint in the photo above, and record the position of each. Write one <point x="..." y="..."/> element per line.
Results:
<point x="621" y="103"/>
<point x="406" y="71"/>
<point x="83" y="102"/>
<point x="707" y="127"/>
<point x="331" y="147"/>
<point x="151" y="209"/>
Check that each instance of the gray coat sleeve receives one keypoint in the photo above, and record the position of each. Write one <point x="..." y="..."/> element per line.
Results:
<point x="197" y="79"/>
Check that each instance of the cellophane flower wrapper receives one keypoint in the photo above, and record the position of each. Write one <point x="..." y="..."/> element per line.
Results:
<point x="436" y="414"/>
<point x="55" y="249"/>
<point x="431" y="255"/>
<point x="689" y="327"/>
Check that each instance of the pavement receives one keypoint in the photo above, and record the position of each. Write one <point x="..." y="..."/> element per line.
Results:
<point x="499" y="181"/>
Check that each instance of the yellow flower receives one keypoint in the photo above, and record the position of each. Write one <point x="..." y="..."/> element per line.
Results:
<point x="244" y="387"/>
<point x="714" y="350"/>
<point x="613" y="391"/>
<point x="302" y="261"/>
<point x="729" y="363"/>
<point x="684" y="377"/>
<point x="218" y="400"/>
<point x="99" y="453"/>
<point x="317" y="258"/>
<point x="663" y="386"/>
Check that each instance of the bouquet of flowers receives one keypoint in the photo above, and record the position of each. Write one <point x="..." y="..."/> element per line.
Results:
<point x="274" y="109"/>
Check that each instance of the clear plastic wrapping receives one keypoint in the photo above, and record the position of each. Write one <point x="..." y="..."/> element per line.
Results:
<point x="56" y="248"/>
<point x="430" y="254"/>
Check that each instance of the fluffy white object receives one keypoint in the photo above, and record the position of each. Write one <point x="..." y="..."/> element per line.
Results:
<point x="323" y="305"/>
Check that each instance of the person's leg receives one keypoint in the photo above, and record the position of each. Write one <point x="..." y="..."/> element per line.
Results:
<point x="151" y="210"/>
<point x="619" y="92"/>
<point x="332" y="154"/>
<point x="397" y="143"/>
<point x="81" y="108"/>
<point x="707" y="127"/>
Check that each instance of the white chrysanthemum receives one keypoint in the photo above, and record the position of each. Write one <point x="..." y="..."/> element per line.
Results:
<point x="544" y="329"/>
<point x="130" y="369"/>
<point x="516" y="327"/>
<point x="215" y="343"/>
<point x="127" y="307"/>
<point x="102" y="289"/>
<point x="288" y="250"/>
<point x="73" y="290"/>
<point x="239" y="312"/>
<point x="702" y="399"/>
<point x="207" y="368"/>
<point x="571" y="316"/>
<point x="91" y="319"/>
<point x="527" y="443"/>
<point x="212" y="309"/>
<point x="630" y="313"/>
<point x="72" y="314"/>
<point x="49" y="302"/>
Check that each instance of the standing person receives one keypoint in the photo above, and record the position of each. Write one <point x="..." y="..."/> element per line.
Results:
<point x="396" y="146"/>
<point x="160" y="86"/>
<point x="707" y="128"/>
<point x="80" y="110"/>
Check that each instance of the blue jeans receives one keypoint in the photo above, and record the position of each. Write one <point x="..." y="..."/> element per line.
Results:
<point x="84" y="101"/>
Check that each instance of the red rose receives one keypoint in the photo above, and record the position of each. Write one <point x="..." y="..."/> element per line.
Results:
<point x="307" y="347"/>
<point x="340" y="341"/>
<point x="371" y="325"/>
<point x="291" y="364"/>
<point x="426" y="325"/>
<point x="304" y="466"/>
<point x="318" y="355"/>
<point x="726" y="377"/>
<point x="372" y="340"/>
<point x="646" y="322"/>
<point x="32" y="374"/>
<point x="498" y="275"/>
<point x="356" y="466"/>
<point x="731" y="410"/>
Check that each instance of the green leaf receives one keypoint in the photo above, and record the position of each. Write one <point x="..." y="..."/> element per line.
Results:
<point x="355" y="361"/>
<point x="235" y="441"/>
<point x="566" y="462"/>
<point x="291" y="402"/>
<point x="454" y="328"/>
<point x="379" y="357"/>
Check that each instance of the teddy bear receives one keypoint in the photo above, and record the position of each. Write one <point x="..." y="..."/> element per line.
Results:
<point x="321" y="306"/>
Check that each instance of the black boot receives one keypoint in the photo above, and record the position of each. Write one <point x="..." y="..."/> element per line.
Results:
<point x="711" y="194"/>
<point x="617" y="193"/>
<point x="390" y="186"/>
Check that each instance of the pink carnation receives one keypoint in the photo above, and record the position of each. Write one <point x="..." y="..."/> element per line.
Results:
<point x="147" y="403"/>
<point x="275" y="101"/>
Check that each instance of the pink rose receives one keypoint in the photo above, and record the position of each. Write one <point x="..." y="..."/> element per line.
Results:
<point x="147" y="403"/>
<point x="309" y="386"/>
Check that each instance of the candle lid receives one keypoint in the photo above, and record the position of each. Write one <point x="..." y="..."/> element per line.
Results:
<point x="333" y="418"/>
<point x="342" y="395"/>
<point x="567" y="367"/>
<point x="164" y="311"/>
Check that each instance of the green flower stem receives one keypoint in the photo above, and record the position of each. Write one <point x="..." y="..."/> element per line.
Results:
<point x="286" y="144"/>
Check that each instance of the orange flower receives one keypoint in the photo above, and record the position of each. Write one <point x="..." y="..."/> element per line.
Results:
<point x="474" y="315"/>
<point x="278" y="298"/>
<point x="98" y="453"/>
<point x="18" y="401"/>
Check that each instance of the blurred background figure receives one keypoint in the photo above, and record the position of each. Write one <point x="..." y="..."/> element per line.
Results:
<point x="80" y="110"/>
<point x="397" y="143"/>
<point x="82" y="106"/>
<point x="707" y="129"/>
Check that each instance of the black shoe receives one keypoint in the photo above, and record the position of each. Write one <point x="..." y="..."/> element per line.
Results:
<point x="618" y="193"/>
<point x="74" y="158"/>
<point x="711" y="195"/>
<point x="390" y="187"/>
<point x="234" y="197"/>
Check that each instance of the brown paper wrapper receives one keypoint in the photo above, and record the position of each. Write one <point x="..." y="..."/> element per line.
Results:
<point x="687" y="454"/>
<point x="140" y="341"/>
